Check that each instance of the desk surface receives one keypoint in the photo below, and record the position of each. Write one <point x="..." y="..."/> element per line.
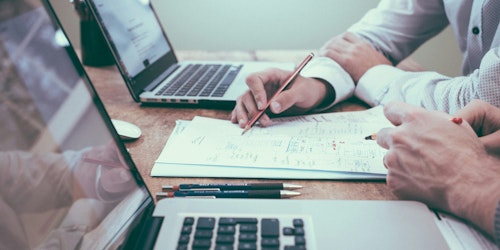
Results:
<point x="157" y="123"/>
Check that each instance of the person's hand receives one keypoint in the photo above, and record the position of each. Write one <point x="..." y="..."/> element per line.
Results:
<point x="303" y="95"/>
<point x="353" y="54"/>
<point x="102" y="174"/>
<point x="440" y="163"/>
<point x="485" y="120"/>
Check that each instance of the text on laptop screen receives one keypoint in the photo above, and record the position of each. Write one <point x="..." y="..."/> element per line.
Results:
<point x="137" y="36"/>
<point x="64" y="180"/>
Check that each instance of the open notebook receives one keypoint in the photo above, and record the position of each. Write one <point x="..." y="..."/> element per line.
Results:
<point x="68" y="181"/>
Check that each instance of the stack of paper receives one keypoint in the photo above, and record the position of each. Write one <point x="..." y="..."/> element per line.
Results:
<point x="319" y="146"/>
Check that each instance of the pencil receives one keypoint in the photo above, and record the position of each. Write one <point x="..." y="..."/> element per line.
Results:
<point x="371" y="137"/>
<point x="288" y="81"/>
<point x="456" y="120"/>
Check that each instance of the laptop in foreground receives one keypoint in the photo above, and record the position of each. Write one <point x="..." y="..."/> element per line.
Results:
<point x="150" y="68"/>
<point x="68" y="181"/>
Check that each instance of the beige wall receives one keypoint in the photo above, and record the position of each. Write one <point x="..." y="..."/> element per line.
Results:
<point x="281" y="24"/>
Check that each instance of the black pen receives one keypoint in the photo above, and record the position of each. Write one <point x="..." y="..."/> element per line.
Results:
<point x="266" y="194"/>
<point x="230" y="186"/>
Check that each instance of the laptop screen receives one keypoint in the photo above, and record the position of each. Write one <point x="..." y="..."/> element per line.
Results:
<point x="137" y="41"/>
<point x="138" y="37"/>
<point x="66" y="181"/>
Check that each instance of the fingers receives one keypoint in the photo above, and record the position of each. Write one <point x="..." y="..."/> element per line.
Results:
<point x="353" y="54"/>
<point x="400" y="112"/>
<point x="340" y="42"/>
<point x="351" y="37"/>
<point x="263" y="84"/>
<point x="239" y="113"/>
<point x="395" y="112"/>
<point x="384" y="138"/>
<point x="303" y="95"/>
<point x="245" y="109"/>
<point x="335" y="47"/>
<point x="473" y="113"/>
<point x="483" y="117"/>
<point x="384" y="162"/>
<point x="492" y="143"/>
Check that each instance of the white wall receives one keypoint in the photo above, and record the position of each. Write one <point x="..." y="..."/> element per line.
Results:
<point x="270" y="24"/>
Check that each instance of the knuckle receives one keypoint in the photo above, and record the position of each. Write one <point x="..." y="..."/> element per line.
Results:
<point x="390" y="159"/>
<point x="398" y="137"/>
<point x="344" y="35"/>
<point x="251" y="79"/>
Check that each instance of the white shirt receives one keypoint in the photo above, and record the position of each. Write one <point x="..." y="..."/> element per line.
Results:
<point x="397" y="28"/>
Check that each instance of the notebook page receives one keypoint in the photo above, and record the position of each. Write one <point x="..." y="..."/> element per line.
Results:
<point x="325" y="142"/>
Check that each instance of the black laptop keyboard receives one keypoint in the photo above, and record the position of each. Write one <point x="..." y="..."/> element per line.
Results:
<point x="201" y="80"/>
<point x="240" y="233"/>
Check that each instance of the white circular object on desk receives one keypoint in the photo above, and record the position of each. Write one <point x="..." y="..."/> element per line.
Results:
<point x="126" y="130"/>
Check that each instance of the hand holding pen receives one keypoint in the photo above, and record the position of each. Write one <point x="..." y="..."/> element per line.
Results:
<point x="287" y="82"/>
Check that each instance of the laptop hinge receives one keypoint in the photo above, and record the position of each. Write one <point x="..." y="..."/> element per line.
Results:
<point x="162" y="77"/>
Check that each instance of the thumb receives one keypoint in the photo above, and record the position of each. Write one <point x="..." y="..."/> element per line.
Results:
<point x="283" y="101"/>
<point x="491" y="142"/>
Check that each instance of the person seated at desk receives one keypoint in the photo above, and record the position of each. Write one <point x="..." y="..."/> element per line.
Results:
<point x="360" y="62"/>
<point x="451" y="167"/>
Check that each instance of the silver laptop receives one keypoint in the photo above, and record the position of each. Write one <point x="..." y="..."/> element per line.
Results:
<point x="150" y="68"/>
<point x="68" y="182"/>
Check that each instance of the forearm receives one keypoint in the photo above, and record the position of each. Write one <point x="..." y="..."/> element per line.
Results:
<point x="398" y="28"/>
<point x="431" y="90"/>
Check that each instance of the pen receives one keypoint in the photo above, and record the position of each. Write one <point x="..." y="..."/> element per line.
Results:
<point x="229" y="186"/>
<point x="456" y="120"/>
<point x="288" y="81"/>
<point x="268" y="194"/>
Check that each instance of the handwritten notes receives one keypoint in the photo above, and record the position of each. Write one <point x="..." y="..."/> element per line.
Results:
<point x="320" y="142"/>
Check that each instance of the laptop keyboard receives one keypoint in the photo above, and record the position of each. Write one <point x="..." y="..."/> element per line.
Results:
<point x="201" y="80"/>
<point x="241" y="233"/>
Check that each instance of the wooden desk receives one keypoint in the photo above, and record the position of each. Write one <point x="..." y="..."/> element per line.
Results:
<point x="157" y="124"/>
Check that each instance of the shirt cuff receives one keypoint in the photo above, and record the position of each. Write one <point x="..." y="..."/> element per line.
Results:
<point x="329" y="71"/>
<point x="373" y="87"/>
